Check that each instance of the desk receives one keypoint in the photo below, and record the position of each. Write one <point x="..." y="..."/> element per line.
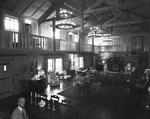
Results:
<point x="62" y="111"/>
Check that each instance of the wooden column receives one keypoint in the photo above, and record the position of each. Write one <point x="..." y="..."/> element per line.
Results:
<point x="79" y="41"/>
<point x="92" y="44"/>
<point x="1" y="20"/>
<point x="54" y="35"/>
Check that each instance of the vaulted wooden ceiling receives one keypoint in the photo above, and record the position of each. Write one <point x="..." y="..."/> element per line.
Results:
<point x="115" y="16"/>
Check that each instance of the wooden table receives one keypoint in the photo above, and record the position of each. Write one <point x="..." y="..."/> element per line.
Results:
<point x="62" y="111"/>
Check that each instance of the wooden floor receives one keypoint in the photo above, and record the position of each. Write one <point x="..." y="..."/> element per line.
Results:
<point x="127" y="104"/>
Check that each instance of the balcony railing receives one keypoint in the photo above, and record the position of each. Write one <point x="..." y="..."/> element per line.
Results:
<point x="86" y="48"/>
<point x="16" y="40"/>
<point x="63" y="45"/>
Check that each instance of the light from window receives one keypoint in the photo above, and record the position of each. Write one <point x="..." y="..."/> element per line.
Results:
<point x="5" y="68"/>
<point x="50" y="63"/>
<point x="27" y="21"/>
<point x="59" y="65"/>
<point x="55" y="65"/>
<point x="11" y="24"/>
<point x="81" y="62"/>
<point x="15" y="37"/>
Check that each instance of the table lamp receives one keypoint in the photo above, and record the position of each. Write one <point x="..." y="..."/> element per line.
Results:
<point x="149" y="90"/>
<point x="147" y="72"/>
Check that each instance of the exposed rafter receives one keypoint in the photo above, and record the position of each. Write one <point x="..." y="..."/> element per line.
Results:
<point x="47" y="13"/>
<point x="28" y="6"/>
<point x="120" y="6"/>
<point x="114" y="18"/>
<point x="60" y="3"/>
<point x="96" y="4"/>
<point x="126" y="23"/>
<point x="20" y="1"/>
<point x="38" y="8"/>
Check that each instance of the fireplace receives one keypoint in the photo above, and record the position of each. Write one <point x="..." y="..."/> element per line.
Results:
<point x="115" y="67"/>
<point x="115" y="64"/>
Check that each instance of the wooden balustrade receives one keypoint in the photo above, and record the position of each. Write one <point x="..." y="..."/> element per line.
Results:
<point x="17" y="40"/>
<point x="63" y="45"/>
<point x="86" y="48"/>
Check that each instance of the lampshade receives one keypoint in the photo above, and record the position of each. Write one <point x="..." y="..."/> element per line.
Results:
<point x="147" y="71"/>
<point x="149" y="89"/>
<point x="41" y="72"/>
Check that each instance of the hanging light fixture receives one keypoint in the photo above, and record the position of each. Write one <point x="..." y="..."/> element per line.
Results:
<point x="66" y="23"/>
<point x="65" y="14"/>
<point x="95" y="32"/>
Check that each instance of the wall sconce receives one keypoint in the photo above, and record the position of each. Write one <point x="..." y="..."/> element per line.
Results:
<point x="27" y="21"/>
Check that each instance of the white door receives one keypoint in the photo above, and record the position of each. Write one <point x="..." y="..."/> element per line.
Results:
<point x="6" y="75"/>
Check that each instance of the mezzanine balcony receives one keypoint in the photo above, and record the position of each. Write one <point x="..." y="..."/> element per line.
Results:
<point x="27" y="42"/>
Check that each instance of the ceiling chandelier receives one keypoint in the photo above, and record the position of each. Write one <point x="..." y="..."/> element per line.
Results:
<point x="65" y="14"/>
<point x="66" y="23"/>
<point x="95" y="32"/>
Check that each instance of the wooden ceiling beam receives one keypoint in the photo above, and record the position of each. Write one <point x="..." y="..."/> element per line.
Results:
<point x="137" y="14"/>
<point x="49" y="11"/>
<point x="99" y="2"/>
<point x="60" y="3"/>
<point x="126" y="23"/>
<point x="38" y="8"/>
<point x="20" y="1"/>
<point x="28" y="6"/>
<point x="114" y="18"/>
<point x="120" y="6"/>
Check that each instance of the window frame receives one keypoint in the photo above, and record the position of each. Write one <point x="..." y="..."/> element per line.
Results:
<point x="11" y="17"/>
<point x="137" y="43"/>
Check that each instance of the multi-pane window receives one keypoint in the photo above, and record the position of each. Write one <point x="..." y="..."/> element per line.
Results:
<point x="55" y="65"/>
<point x="50" y="63"/>
<point x="59" y="65"/>
<point x="77" y="62"/>
<point x="11" y="24"/>
<point x="137" y="43"/>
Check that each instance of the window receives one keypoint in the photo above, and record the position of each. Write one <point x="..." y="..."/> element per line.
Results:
<point x="59" y="65"/>
<point x="81" y="62"/>
<point x="55" y="65"/>
<point x="137" y="43"/>
<point x="77" y="62"/>
<point x="50" y="63"/>
<point x="11" y="24"/>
